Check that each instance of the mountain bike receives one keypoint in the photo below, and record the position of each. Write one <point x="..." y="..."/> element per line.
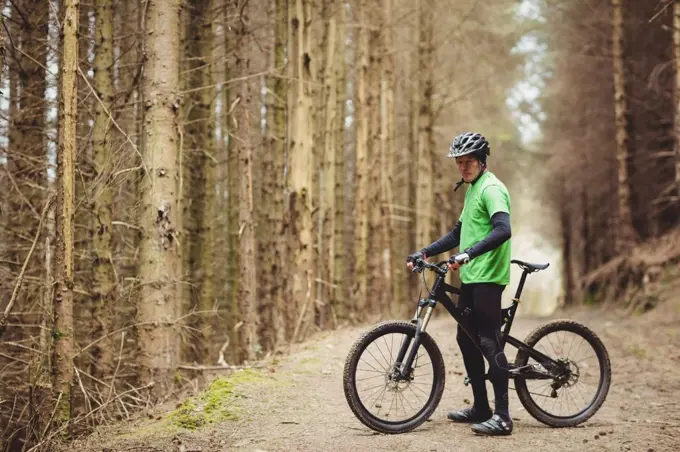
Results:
<point x="394" y="374"/>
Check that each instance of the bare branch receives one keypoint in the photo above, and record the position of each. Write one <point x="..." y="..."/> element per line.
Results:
<point x="17" y="286"/>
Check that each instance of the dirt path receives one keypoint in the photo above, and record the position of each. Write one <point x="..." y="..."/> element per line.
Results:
<point x="302" y="406"/>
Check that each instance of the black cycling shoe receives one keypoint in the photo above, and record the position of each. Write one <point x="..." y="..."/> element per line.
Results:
<point x="495" y="426"/>
<point x="470" y="415"/>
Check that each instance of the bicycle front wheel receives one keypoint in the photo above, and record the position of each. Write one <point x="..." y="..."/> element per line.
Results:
<point x="573" y="397"/>
<point x="380" y="401"/>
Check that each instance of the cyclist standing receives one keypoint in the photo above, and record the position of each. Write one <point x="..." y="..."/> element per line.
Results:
<point x="482" y="233"/>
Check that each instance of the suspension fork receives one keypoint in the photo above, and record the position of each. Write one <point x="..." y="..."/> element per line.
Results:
<point x="404" y="367"/>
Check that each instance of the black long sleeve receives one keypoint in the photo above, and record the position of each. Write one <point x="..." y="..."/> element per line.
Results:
<point x="500" y="233"/>
<point x="446" y="243"/>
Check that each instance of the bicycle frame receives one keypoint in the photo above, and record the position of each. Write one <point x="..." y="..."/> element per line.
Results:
<point x="439" y="294"/>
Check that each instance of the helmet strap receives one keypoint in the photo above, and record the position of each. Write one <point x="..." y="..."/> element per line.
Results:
<point x="462" y="181"/>
<point x="480" y="174"/>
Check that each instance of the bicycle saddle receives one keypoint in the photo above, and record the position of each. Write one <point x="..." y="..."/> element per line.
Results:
<point x="530" y="267"/>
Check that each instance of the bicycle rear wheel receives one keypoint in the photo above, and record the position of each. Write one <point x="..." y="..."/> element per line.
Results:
<point x="378" y="400"/>
<point x="576" y="395"/>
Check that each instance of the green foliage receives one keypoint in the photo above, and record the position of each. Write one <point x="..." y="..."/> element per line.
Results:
<point x="56" y="334"/>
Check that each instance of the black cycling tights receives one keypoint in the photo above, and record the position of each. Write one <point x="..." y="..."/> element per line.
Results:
<point x="484" y="328"/>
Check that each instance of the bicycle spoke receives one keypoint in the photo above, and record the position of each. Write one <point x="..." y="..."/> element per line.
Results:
<point x="423" y="375"/>
<point x="373" y="370"/>
<point x="373" y="387"/>
<point x="418" y="383"/>
<point x="382" y="397"/>
<point x="414" y="393"/>
<point x="390" y="410"/>
<point x="382" y="372"/>
<point x="381" y="391"/>
<point x="381" y="354"/>
<point x="409" y="403"/>
<point x="376" y="360"/>
<point x="369" y="378"/>
<point x="429" y="362"/>
<point x="416" y="387"/>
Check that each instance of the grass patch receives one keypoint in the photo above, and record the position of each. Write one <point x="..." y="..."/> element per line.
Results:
<point x="589" y="299"/>
<point x="637" y="351"/>
<point x="216" y="403"/>
<point x="312" y="361"/>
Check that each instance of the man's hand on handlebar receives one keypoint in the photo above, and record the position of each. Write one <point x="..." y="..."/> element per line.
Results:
<point x="457" y="260"/>
<point x="413" y="258"/>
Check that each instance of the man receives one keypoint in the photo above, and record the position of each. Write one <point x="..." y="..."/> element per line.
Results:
<point x="483" y="233"/>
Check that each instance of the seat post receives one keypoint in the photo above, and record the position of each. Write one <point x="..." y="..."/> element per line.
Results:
<point x="521" y="284"/>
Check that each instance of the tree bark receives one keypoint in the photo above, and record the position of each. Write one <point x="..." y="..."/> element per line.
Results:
<point x="376" y="221"/>
<point x="424" y="192"/>
<point x="361" y="196"/>
<point x="676" y="49"/>
<point x="2" y="45"/>
<point x="275" y="187"/>
<point x="63" y="294"/>
<point x="247" y="281"/>
<point x="129" y="117"/>
<point x="626" y="235"/>
<point x="338" y="269"/>
<point x="233" y="180"/>
<point x="328" y="165"/>
<point x="102" y="263"/>
<point x="199" y="181"/>
<point x="159" y="267"/>
<point x="388" y="156"/>
<point x="301" y="160"/>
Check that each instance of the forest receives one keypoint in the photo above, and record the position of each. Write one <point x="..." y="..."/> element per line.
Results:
<point x="189" y="184"/>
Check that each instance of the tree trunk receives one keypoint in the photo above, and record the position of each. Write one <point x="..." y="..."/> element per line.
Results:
<point x="410" y="154"/>
<point x="63" y="294"/>
<point x="376" y="253"/>
<point x="266" y="236"/>
<point x="2" y="46"/>
<point x="626" y="235"/>
<point x="301" y="160"/>
<point x="247" y="280"/>
<point x="128" y="116"/>
<point x="159" y="268"/>
<point x="233" y="180"/>
<point x="103" y="289"/>
<point x="566" y="222"/>
<point x="276" y="111"/>
<point x="338" y="269"/>
<point x="328" y="163"/>
<point x="361" y="196"/>
<point x="388" y="155"/>
<point x="676" y="48"/>
<point x="424" y="192"/>
<point x="199" y="180"/>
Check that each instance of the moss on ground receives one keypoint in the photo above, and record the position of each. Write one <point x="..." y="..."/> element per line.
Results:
<point x="216" y="403"/>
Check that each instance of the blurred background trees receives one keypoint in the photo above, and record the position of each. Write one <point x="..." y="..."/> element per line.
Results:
<point x="245" y="174"/>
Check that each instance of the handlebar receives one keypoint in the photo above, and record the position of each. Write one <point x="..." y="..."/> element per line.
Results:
<point x="419" y="265"/>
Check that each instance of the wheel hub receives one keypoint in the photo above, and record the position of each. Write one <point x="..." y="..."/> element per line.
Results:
<point x="567" y="378"/>
<point x="394" y="381"/>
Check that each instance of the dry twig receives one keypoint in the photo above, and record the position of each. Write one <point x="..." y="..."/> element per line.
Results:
<point x="17" y="286"/>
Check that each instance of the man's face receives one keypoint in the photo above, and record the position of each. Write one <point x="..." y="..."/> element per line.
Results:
<point x="469" y="167"/>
